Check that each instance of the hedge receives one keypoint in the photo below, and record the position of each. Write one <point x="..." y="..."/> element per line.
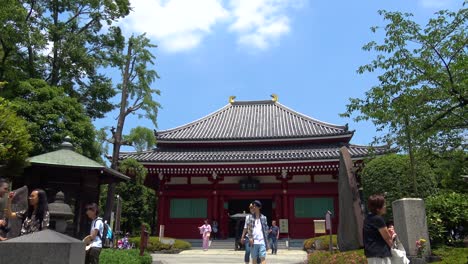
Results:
<point x="308" y="243"/>
<point x="124" y="256"/>
<point x="155" y="245"/>
<point x="320" y="257"/>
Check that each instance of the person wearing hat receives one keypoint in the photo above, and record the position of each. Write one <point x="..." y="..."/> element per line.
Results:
<point x="257" y="228"/>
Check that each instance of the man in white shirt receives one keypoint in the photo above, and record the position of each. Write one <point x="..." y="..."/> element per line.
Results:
<point x="257" y="228"/>
<point x="97" y="228"/>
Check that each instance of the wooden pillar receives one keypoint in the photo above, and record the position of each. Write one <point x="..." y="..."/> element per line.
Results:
<point x="161" y="206"/>
<point x="284" y="187"/>
<point x="285" y="204"/>
<point x="223" y="220"/>
<point x="215" y="201"/>
<point x="278" y="208"/>
<point x="215" y="206"/>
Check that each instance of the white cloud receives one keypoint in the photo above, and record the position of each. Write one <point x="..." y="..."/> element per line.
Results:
<point x="437" y="4"/>
<point x="176" y="25"/>
<point x="179" y="25"/>
<point x="261" y="23"/>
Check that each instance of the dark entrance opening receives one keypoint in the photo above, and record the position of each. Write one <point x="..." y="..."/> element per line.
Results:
<point x="242" y="206"/>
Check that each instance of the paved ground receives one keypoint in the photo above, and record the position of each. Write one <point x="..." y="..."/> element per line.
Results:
<point x="212" y="256"/>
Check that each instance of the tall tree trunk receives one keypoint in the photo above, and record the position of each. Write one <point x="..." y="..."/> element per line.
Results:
<point x="117" y="136"/>
<point x="54" y="75"/>
<point x="31" y="71"/>
<point x="409" y="142"/>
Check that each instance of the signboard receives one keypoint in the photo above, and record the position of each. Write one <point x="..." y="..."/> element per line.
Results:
<point x="319" y="227"/>
<point x="283" y="226"/>
<point x="328" y="220"/>
<point x="161" y="232"/>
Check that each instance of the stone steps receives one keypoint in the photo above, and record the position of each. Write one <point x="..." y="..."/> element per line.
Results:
<point x="229" y="243"/>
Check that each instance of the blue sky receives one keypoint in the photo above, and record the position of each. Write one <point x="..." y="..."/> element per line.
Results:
<point x="306" y="52"/>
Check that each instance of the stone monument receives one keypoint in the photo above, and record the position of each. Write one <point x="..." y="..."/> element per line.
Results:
<point x="409" y="216"/>
<point x="46" y="246"/>
<point x="19" y="203"/>
<point x="351" y="216"/>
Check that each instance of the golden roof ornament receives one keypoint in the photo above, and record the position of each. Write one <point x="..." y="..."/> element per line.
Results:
<point x="275" y="97"/>
<point x="231" y="99"/>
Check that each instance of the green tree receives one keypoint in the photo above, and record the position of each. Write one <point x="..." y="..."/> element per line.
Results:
<point x="390" y="175"/>
<point x="141" y="138"/>
<point x="449" y="168"/>
<point x="138" y="201"/>
<point x="15" y="142"/>
<point x="51" y="116"/>
<point x="420" y="100"/>
<point x="60" y="42"/>
<point x="132" y="58"/>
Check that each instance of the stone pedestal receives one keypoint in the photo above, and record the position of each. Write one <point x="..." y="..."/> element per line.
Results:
<point x="409" y="216"/>
<point x="45" y="246"/>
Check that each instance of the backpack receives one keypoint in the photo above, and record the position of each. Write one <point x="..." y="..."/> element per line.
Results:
<point x="107" y="236"/>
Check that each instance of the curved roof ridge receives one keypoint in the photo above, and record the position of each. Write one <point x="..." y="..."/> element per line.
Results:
<point x="367" y="146"/>
<point x="266" y="119"/>
<point x="310" y="118"/>
<point x="206" y="117"/>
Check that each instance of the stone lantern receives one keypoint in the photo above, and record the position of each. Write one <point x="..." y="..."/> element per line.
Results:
<point x="59" y="212"/>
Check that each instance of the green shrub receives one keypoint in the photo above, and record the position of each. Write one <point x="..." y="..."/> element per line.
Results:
<point x="451" y="255"/>
<point x="308" y="243"/>
<point x="390" y="174"/>
<point x="124" y="256"/>
<point x="355" y="257"/>
<point x="155" y="245"/>
<point x="182" y="244"/>
<point x="446" y="211"/>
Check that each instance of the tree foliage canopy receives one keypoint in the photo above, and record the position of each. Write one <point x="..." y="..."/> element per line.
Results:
<point x="390" y="175"/>
<point x="422" y="91"/>
<point x="141" y="138"/>
<point x="60" y="42"/>
<point x="138" y="201"/>
<point x="15" y="142"/>
<point x="51" y="116"/>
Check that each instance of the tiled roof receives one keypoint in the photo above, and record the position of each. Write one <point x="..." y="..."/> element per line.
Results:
<point x="248" y="154"/>
<point x="66" y="157"/>
<point x="251" y="120"/>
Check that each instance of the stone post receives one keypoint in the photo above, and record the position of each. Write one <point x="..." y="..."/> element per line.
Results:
<point x="409" y="216"/>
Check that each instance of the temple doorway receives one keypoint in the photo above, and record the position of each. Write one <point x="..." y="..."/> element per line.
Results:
<point x="239" y="206"/>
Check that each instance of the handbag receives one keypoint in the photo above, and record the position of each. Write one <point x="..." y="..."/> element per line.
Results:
<point x="399" y="253"/>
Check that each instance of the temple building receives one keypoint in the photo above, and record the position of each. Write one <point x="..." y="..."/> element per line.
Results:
<point x="215" y="166"/>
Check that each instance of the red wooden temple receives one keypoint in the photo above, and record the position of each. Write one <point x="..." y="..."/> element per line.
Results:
<point x="214" y="167"/>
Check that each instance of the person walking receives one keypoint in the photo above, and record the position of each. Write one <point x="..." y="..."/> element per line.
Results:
<point x="273" y="233"/>
<point x="245" y="236"/>
<point x="215" y="229"/>
<point x="377" y="239"/>
<point x="36" y="217"/>
<point x="257" y="228"/>
<point x="93" y="250"/>
<point x="205" y="231"/>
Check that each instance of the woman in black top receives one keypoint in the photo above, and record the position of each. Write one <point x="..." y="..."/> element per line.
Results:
<point x="377" y="240"/>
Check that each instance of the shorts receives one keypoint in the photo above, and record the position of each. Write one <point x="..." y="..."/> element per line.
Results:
<point x="258" y="251"/>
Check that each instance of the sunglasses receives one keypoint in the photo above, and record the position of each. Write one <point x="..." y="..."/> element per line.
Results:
<point x="90" y="208"/>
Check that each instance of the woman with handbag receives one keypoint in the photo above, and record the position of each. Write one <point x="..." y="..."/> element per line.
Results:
<point x="377" y="239"/>
<point x="205" y="231"/>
